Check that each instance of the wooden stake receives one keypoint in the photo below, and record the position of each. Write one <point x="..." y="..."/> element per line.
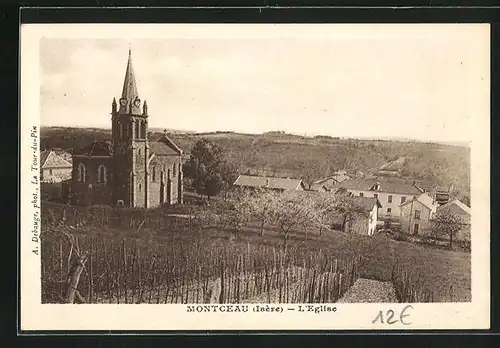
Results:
<point x="74" y="278"/>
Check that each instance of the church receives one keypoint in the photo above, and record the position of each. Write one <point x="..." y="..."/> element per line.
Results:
<point x="130" y="170"/>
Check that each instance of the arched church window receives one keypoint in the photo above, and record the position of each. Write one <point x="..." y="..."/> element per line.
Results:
<point x="153" y="174"/>
<point x="82" y="173"/>
<point x="174" y="171"/>
<point x="140" y="186"/>
<point x="121" y="130"/>
<point x="101" y="174"/>
<point x="143" y="130"/>
<point x="137" y="129"/>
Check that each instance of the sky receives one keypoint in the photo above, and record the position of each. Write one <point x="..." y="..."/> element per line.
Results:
<point x="404" y="82"/>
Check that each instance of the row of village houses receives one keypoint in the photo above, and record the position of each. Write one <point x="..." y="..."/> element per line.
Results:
<point x="403" y="203"/>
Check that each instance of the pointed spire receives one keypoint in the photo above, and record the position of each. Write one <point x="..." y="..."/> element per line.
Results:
<point x="129" y="92"/>
<point x="113" y="105"/>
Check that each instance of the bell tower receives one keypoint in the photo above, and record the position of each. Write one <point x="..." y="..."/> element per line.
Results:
<point x="129" y="118"/>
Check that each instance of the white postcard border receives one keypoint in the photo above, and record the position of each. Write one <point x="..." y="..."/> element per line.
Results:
<point x="35" y="316"/>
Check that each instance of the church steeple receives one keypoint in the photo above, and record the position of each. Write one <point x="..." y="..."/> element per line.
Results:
<point x="129" y="101"/>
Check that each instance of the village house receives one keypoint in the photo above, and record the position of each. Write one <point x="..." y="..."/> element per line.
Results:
<point x="270" y="183"/>
<point x="462" y="210"/>
<point x="328" y="184"/>
<point x="391" y="193"/>
<point x="53" y="167"/>
<point x="416" y="214"/>
<point x="130" y="170"/>
<point x="364" y="225"/>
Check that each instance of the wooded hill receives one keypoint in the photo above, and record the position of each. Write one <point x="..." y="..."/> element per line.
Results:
<point x="309" y="158"/>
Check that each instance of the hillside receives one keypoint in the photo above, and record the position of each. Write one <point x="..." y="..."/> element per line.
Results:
<point x="309" y="158"/>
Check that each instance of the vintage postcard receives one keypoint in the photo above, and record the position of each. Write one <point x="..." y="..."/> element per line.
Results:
<point x="255" y="177"/>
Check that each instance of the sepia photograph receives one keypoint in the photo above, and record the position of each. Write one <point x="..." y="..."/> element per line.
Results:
<point x="251" y="168"/>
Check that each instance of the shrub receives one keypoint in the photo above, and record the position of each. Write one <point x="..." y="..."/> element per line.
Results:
<point x="400" y="236"/>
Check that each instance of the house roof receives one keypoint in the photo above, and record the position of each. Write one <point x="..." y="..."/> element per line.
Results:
<point x="63" y="154"/>
<point x="49" y="159"/>
<point x="424" y="198"/>
<point x="366" y="203"/>
<point x="456" y="207"/>
<point x="337" y="178"/>
<point x="43" y="157"/>
<point x="268" y="182"/>
<point x="97" y="148"/>
<point x="389" y="185"/>
<point x="319" y="187"/>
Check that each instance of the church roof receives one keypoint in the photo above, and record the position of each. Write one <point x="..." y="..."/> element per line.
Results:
<point x="129" y="91"/>
<point x="97" y="148"/>
<point x="164" y="147"/>
<point x="159" y="148"/>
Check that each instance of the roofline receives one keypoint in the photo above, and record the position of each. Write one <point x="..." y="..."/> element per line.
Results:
<point x="42" y="166"/>
<point x="234" y="183"/>
<point x="300" y="184"/>
<point x="87" y="156"/>
<point x="453" y="201"/>
<point x="172" y="144"/>
<point x="46" y="158"/>
<point x="150" y="159"/>
<point x="381" y="191"/>
<point x="416" y="199"/>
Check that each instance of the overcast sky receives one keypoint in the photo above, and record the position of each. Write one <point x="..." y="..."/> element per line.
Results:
<point x="421" y="84"/>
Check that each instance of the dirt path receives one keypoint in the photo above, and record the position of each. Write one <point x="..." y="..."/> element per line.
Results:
<point x="368" y="290"/>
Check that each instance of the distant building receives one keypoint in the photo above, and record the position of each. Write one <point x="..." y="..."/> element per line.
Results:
<point x="54" y="168"/>
<point x="391" y="193"/>
<point x="442" y="194"/>
<point x="462" y="210"/>
<point x="271" y="183"/>
<point x="131" y="170"/>
<point x="417" y="213"/>
<point x="328" y="184"/>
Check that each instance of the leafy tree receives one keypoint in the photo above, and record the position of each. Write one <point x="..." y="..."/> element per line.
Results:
<point x="447" y="224"/>
<point x="208" y="169"/>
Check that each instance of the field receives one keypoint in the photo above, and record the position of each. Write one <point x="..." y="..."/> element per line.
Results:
<point x="157" y="245"/>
